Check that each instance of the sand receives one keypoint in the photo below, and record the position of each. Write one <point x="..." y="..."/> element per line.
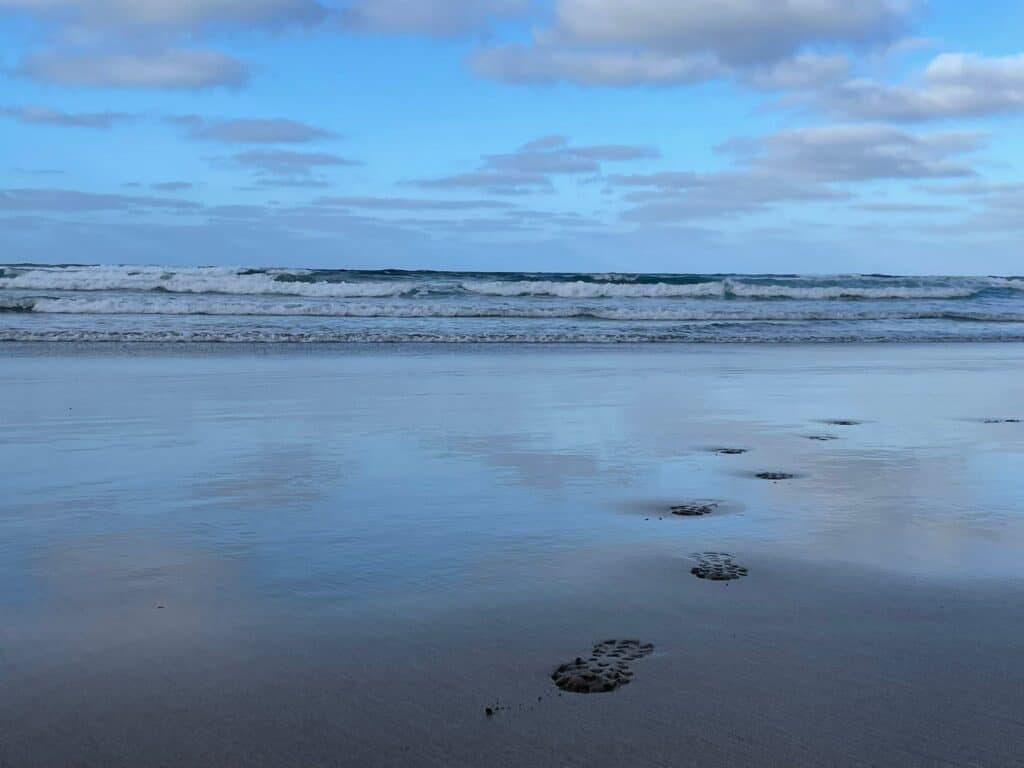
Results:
<point x="337" y="557"/>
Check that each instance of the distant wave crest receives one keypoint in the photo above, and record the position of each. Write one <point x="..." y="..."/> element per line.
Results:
<point x="326" y="284"/>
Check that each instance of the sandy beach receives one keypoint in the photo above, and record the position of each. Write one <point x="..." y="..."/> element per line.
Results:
<point x="345" y="555"/>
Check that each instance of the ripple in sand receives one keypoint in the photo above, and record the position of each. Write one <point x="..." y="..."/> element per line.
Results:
<point x="694" y="509"/>
<point x="717" y="566"/>
<point x="607" y="668"/>
<point x="774" y="476"/>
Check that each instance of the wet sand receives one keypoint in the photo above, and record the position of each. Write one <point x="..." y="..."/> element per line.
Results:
<point x="345" y="557"/>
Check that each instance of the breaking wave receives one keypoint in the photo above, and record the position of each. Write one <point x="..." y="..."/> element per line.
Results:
<point x="264" y="304"/>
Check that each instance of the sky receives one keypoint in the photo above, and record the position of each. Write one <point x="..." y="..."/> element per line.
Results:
<point x="817" y="136"/>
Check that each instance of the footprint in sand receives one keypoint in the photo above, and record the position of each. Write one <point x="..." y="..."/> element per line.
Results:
<point x="606" y="669"/>
<point x="774" y="476"/>
<point x="717" y="566"/>
<point x="694" y="509"/>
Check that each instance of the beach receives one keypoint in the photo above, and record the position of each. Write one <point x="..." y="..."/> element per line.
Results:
<point x="332" y="554"/>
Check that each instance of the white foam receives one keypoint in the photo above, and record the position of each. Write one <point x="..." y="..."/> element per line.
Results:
<point x="825" y="292"/>
<point x="725" y="311"/>
<point x="215" y="280"/>
<point x="298" y="283"/>
<point x="585" y="290"/>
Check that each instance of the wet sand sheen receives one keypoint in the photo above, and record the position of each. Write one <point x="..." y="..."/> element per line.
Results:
<point x="346" y="558"/>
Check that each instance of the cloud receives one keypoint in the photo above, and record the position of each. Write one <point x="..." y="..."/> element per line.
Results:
<point x="714" y="195"/>
<point x="923" y="208"/>
<point x="495" y="182"/>
<point x="73" y="201"/>
<point x="977" y="188"/>
<point x="565" y="159"/>
<point x="47" y="116"/>
<point x="39" y="171"/>
<point x="249" y="130"/>
<point x="177" y="69"/>
<point x="528" y="169"/>
<point x="181" y="14"/>
<point x="800" y="72"/>
<point x="137" y="43"/>
<point x="410" y="204"/>
<point x="795" y="165"/>
<point x="735" y="31"/>
<point x="671" y="42"/>
<point x="426" y="17"/>
<point x="857" y="152"/>
<point x="953" y="85"/>
<point x="288" y="163"/>
<point x="1001" y="204"/>
<point x="543" y="64"/>
<point x="172" y="186"/>
<point x="287" y="183"/>
<point x="554" y="141"/>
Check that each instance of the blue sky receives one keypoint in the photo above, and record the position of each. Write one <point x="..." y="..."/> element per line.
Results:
<point x="630" y="135"/>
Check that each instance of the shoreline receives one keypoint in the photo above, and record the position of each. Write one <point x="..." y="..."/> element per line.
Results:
<point x="75" y="346"/>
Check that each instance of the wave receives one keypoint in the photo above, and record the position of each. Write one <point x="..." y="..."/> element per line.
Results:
<point x="339" y="284"/>
<point x="205" y="280"/>
<point x="147" y="305"/>
<point x="588" y="290"/>
<point x="729" y="288"/>
<point x="378" y="336"/>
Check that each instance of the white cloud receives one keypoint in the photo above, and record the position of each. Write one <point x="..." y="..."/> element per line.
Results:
<point x="800" y="72"/>
<point x="494" y="182"/>
<point x="671" y="42"/>
<point x="953" y="85"/>
<point x="287" y="163"/>
<point x="147" y="43"/>
<point x="106" y="14"/>
<point x="797" y="165"/>
<point x="74" y="201"/>
<point x="858" y="152"/>
<point x="249" y="130"/>
<point x="181" y="68"/>
<point x="736" y="31"/>
<point x="46" y="116"/>
<point x="426" y="17"/>
<point x="546" y="63"/>
<point x="529" y="168"/>
<point x="409" y="204"/>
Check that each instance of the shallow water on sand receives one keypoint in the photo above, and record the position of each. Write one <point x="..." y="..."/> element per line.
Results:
<point x="341" y="475"/>
<point x="222" y="487"/>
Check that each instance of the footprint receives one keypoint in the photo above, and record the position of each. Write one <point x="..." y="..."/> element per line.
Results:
<point x="607" y="669"/>
<point x="774" y="476"/>
<point x="717" y="566"/>
<point x="694" y="509"/>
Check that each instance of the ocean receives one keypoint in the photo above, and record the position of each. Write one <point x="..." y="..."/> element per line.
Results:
<point x="217" y="304"/>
